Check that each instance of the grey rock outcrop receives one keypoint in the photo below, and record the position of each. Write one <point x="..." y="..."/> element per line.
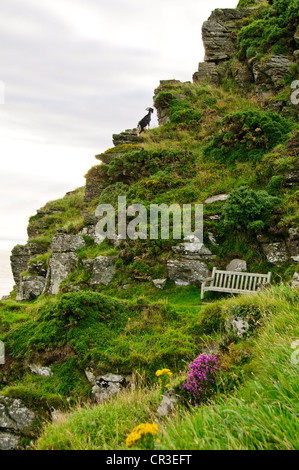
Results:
<point x="217" y="33"/>
<point x="30" y="287"/>
<point x="66" y="243"/>
<point x="61" y="265"/>
<point x="64" y="259"/>
<point x="271" y="71"/>
<point x="207" y="71"/>
<point x="129" y="136"/>
<point x="102" y="269"/>
<point x="15" y="417"/>
<point x="190" y="267"/>
<point x="19" y="260"/>
<point x="107" y="386"/>
<point x="93" y="190"/>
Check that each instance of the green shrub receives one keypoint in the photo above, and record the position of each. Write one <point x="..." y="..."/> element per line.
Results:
<point x="249" y="209"/>
<point x="247" y="136"/>
<point x="268" y="26"/>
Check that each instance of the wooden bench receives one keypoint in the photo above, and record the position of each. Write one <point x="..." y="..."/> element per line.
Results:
<point x="234" y="282"/>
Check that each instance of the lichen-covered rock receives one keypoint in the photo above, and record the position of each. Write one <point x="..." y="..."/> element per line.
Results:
<point x="239" y="325"/>
<point x="276" y="253"/>
<point x="61" y="265"/>
<point x="217" y="33"/>
<point x="102" y="269"/>
<point x="15" y="417"/>
<point x="64" y="243"/>
<point x="187" y="271"/>
<point x="42" y="371"/>
<point x="30" y="287"/>
<point x="107" y="386"/>
<point x="207" y="71"/>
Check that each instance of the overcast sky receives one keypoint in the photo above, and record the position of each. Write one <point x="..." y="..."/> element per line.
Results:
<point x="74" y="72"/>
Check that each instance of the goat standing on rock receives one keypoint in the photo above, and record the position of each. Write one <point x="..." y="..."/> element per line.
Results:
<point x="145" y="122"/>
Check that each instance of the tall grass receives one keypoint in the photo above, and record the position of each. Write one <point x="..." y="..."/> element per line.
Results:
<point x="263" y="415"/>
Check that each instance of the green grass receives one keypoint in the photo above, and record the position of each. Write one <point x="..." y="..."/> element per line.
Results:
<point x="102" y="427"/>
<point x="261" y="414"/>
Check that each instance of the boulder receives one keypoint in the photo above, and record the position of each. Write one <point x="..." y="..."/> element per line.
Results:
<point x="30" y="287"/>
<point x="40" y="370"/>
<point x="217" y="33"/>
<point x="185" y="271"/>
<point x="159" y="283"/>
<point x="275" y="252"/>
<point x="216" y="198"/>
<point x="239" y="325"/>
<point x="168" y="404"/>
<point x="15" y="417"/>
<point x="237" y="265"/>
<point x="107" y="386"/>
<point x="102" y="268"/>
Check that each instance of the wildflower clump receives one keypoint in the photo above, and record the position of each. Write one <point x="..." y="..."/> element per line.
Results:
<point x="201" y="380"/>
<point x="164" y="379"/>
<point x="143" y="436"/>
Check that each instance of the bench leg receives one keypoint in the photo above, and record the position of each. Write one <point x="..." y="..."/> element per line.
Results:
<point x="203" y="290"/>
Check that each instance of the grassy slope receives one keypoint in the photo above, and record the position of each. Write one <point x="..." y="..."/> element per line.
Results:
<point x="261" y="414"/>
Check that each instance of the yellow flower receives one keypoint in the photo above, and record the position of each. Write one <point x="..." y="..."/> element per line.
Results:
<point x="129" y="319"/>
<point x="163" y="372"/>
<point x="140" y="432"/>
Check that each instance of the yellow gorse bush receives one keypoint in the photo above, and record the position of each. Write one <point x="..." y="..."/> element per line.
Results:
<point x="164" y="379"/>
<point x="143" y="436"/>
<point x="163" y="372"/>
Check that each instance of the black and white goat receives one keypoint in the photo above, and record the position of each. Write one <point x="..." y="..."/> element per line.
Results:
<point x="145" y="122"/>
